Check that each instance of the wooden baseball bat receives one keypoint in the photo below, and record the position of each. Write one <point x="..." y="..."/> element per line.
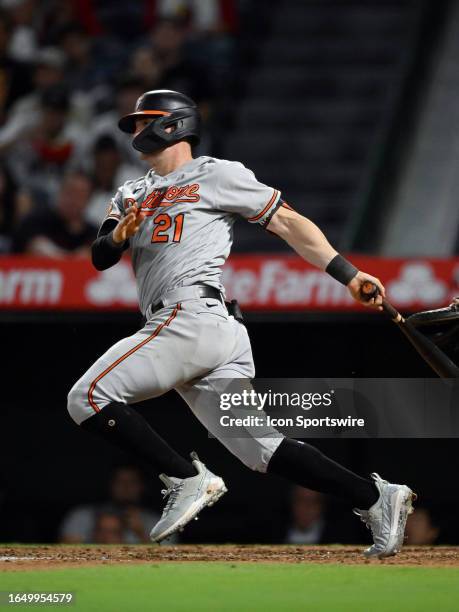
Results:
<point x="437" y="360"/>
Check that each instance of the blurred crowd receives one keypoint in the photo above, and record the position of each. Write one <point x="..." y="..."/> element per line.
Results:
<point x="124" y="518"/>
<point x="311" y="524"/>
<point x="68" y="70"/>
<point x="121" y="518"/>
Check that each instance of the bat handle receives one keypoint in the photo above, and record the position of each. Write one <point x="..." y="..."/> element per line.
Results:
<point x="369" y="290"/>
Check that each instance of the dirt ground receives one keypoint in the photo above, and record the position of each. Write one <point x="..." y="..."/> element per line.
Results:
<point x="14" y="557"/>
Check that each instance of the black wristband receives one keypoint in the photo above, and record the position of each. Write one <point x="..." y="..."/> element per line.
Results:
<point x="341" y="269"/>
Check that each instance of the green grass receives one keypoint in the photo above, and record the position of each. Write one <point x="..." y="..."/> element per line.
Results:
<point x="177" y="587"/>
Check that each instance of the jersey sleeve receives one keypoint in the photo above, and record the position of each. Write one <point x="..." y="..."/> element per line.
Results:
<point x="238" y="191"/>
<point x="115" y="208"/>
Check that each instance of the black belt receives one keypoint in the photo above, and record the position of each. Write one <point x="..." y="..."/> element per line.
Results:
<point x="204" y="291"/>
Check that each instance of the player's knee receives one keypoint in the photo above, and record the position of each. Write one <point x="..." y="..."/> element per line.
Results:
<point x="255" y="461"/>
<point x="253" y="464"/>
<point x="257" y="455"/>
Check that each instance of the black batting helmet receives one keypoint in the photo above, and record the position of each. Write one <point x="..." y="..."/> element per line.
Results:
<point x="168" y="108"/>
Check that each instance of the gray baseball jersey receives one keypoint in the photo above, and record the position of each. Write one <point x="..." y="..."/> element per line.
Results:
<point x="188" y="231"/>
<point x="191" y="345"/>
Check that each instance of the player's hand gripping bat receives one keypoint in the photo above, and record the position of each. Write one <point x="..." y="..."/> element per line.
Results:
<point x="438" y="361"/>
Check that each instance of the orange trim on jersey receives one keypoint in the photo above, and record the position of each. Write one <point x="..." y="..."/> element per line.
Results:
<point x="92" y="403"/>
<point x="266" y="208"/>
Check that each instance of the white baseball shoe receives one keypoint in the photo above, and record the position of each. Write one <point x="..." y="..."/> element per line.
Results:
<point x="187" y="497"/>
<point x="387" y="518"/>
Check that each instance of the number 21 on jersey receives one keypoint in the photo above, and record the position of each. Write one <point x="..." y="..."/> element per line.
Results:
<point x="163" y="224"/>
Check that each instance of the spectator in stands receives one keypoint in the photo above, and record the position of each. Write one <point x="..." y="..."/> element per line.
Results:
<point x="421" y="528"/>
<point x="24" y="115"/>
<point x="41" y="158"/>
<point x="308" y="523"/>
<point x="61" y="230"/>
<point x="108" y="173"/>
<point x="23" y="42"/>
<point x="209" y="16"/>
<point x="168" y="40"/>
<point x="58" y="14"/>
<point x="15" y="77"/>
<point x="146" y="67"/>
<point x="208" y="50"/>
<point x="83" y="71"/>
<point x="108" y="528"/>
<point x="184" y="68"/>
<point x="126" y="491"/>
<point x="121" y="20"/>
<point x="14" y="205"/>
<point x="57" y="109"/>
<point x="128" y="89"/>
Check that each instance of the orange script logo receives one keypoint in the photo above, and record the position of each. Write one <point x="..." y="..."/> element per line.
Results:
<point x="173" y="195"/>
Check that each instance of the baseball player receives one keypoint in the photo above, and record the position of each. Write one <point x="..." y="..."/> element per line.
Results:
<point x="177" y="221"/>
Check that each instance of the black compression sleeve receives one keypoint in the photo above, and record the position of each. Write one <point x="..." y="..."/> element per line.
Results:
<point x="105" y="252"/>
<point x="305" y="465"/>
<point x="124" y="427"/>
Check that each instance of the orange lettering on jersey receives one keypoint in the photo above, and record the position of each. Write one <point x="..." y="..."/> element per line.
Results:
<point x="173" y="195"/>
<point x="153" y="200"/>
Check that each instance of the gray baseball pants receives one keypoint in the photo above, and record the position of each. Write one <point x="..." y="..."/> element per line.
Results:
<point x="191" y="345"/>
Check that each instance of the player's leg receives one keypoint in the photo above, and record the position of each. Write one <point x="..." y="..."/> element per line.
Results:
<point x="127" y="373"/>
<point x="268" y="451"/>
<point x="174" y="346"/>
<point x="264" y="449"/>
<point x="384" y="506"/>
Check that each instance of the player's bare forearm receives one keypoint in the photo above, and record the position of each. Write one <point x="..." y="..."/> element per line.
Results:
<point x="303" y="236"/>
<point x="311" y="244"/>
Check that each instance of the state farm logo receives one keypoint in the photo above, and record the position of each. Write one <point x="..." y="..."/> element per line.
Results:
<point x="116" y="284"/>
<point x="417" y="283"/>
<point x="276" y="283"/>
<point x="36" y="287"/>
